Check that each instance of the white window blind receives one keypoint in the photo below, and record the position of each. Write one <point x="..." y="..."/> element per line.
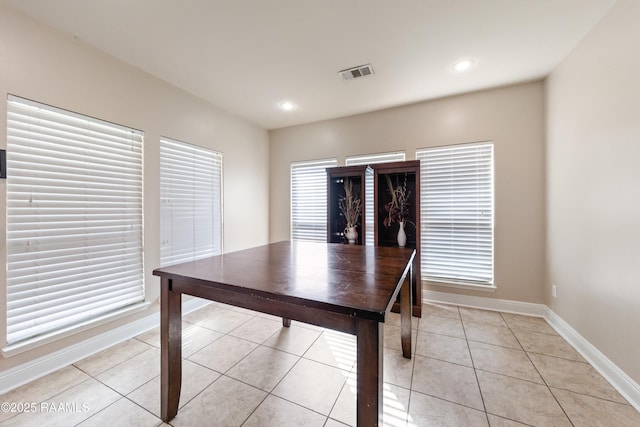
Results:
<point x="309" y="199"/>
<point x="370" y="159"/>
<point x="191" y="202"/>
<point x="456" y="185"/>
<point x="74" y="219"/>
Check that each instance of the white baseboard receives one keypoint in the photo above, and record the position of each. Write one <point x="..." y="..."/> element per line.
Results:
<point x="628" y="388"/>
<point x="32" y="370"/>
<point x="23" y="374"/>
<point x="493" y="304"/>
<point x="612" y="373"/>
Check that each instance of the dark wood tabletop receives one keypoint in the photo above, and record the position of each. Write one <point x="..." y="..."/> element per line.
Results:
<point x="348" y="288"/>
<point x="348" y="279"/>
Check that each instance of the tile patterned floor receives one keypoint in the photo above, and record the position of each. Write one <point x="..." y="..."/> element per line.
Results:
<point x="470" y="368"/>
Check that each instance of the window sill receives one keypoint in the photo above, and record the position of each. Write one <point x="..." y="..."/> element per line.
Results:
<point x="11" y="350"/>
<point x="461" y="285"/>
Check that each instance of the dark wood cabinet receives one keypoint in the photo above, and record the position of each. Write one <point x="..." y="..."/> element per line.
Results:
<point x="389" y="193"/>
<point x="396" y="201"/>
<point x="358" y="181"/>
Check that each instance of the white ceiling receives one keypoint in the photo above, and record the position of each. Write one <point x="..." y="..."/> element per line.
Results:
<point x="246" y="56"/>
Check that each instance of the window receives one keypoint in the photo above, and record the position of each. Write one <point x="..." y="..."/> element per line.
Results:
<point x="370" y="159"/>
<point x="191" y="202"/>
<point x="456" y="184"/>
<point x="74" y="220"/>
<point x="309" y="199"/>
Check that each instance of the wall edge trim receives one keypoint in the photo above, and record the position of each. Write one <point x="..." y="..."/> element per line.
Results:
<point x="30" y="371"/>
<point x="493" y="304"/>
<point x="22" y="374"/>
<point x="624" y="384"/>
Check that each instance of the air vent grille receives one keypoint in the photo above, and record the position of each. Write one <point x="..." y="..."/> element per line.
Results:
<point x="356" y="72"/>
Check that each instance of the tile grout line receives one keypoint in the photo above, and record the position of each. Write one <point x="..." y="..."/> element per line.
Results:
<point x="417" y="331"/>
<point x="270" y="393"/>
<point x="541" y="376"/>
<point x="224" y="374"/>
<point x="473" y="365"/>
<point x="413" y="369"/>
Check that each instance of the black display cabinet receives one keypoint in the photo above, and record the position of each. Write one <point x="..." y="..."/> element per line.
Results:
<point x="389" y="193"/>
<point x="340" y="182"/>
<point x="396" y="201"/>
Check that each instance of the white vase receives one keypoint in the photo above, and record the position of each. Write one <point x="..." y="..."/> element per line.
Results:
<point x="351" y="234"/>
<point x="402" y="236"/>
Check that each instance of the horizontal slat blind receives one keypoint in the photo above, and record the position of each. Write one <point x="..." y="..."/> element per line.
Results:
<point x="370" y="159"/>
<point x="457" y="213"/>
<point x="74" y="218"/>
<point x="309" y="199"/>
<point x="191" y="196"/>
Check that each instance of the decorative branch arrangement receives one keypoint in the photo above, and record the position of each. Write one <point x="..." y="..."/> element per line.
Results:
<point x="398" y="207"/>
<point x="350" y="204"/>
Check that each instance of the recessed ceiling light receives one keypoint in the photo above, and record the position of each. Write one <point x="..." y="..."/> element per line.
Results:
<point x="464" y="64"/>
<point x="287" y="105"/>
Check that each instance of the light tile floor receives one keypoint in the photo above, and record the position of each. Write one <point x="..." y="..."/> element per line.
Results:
<point x="470" y="368"/>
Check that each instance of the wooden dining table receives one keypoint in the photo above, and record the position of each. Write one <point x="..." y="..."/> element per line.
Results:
<point x="347" y="288"/>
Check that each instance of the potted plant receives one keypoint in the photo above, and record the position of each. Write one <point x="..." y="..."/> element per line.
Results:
<point x="351" y="207"/>
<point x="397" y="208"/>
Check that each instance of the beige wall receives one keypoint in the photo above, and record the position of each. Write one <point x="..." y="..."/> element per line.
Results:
<point x="513" y="117"/>
<point x="592" y="174"/>
<point x="593" y="207"/>
<point x="48" y="67"/>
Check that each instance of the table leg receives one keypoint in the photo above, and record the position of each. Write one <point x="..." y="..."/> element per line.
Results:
<point x="170" y="350"/>
<point x="370" y="337"/>
<point x="405" y="315"/>
<point x="286" y="322"/>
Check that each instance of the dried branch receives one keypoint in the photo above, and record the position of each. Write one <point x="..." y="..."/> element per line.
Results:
<point x="350" y="205"/>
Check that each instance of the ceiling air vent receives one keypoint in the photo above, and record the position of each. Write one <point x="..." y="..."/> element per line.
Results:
<point x="356" y="72"/>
